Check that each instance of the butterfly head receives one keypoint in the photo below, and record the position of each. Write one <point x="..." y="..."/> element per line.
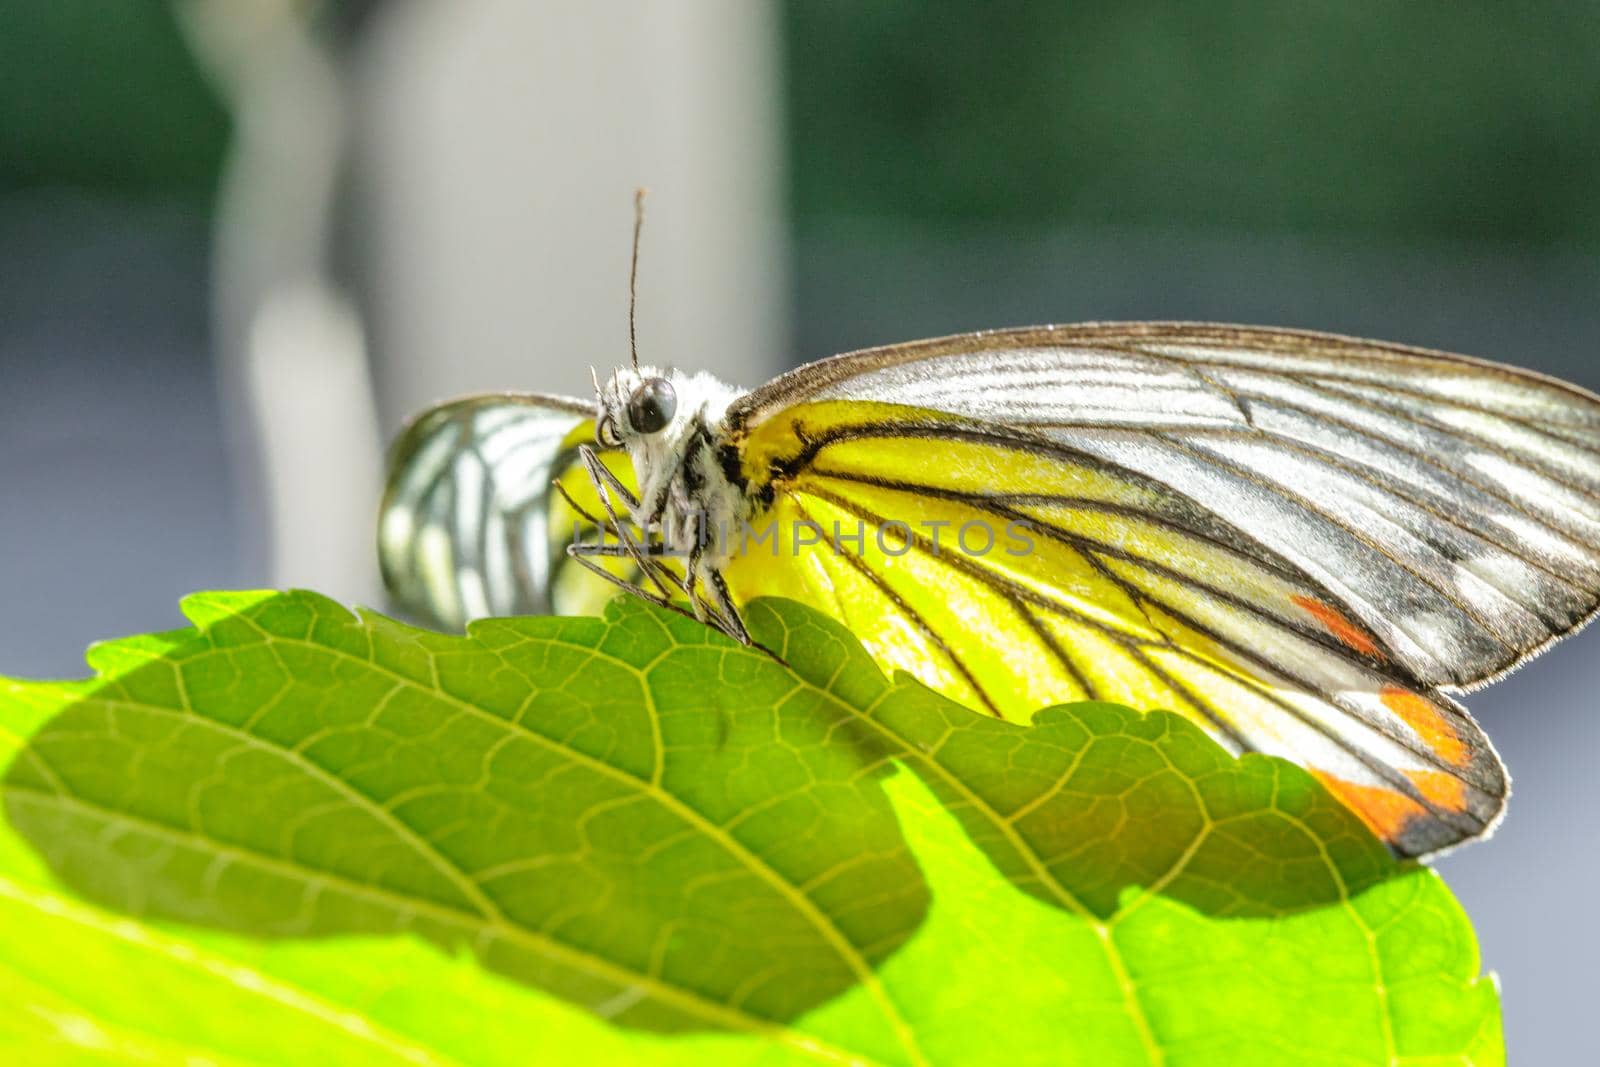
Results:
<point x="669" y="422"/>
<point x="642" y="409"/>
<point x="635" y="406"/>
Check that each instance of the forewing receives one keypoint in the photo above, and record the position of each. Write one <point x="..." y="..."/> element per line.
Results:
<point x="471" y="526"/>
<point x="1449" y="507"/>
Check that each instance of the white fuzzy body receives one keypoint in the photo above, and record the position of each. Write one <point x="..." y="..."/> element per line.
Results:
<point x="682" y="484"/>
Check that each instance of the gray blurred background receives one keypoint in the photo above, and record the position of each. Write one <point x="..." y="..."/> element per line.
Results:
<point x="241" y="239"/>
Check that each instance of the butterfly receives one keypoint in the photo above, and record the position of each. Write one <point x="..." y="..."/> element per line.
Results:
<point x="1307" y="544"/>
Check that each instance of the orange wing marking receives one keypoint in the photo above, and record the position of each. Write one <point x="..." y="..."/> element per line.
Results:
<point x="1348" y="633"/>
<point x="1444" y="790"/>
<point x="1423" y="716"/>
<point x="1385" y="811"/>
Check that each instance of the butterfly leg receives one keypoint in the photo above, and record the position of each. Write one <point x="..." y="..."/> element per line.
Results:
<point x="643" y="554"/>
<point x="583" y="559"/>
<point x="724" y="620"/>
<point x="721" y="617"/>
<point x="736" y="628"/>
<point x="605" y="483"/>
<point x="583" y="550"/>
<point x="721" y="614"/>
<point x="604" y="525"/>
<point x="583" y="512"/>
<point x="693" y="572"/>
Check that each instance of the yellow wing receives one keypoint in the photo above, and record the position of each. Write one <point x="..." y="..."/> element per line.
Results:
<point x="1012" y="573"/>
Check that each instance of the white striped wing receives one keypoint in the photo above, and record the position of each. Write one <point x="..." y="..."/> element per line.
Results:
<point x="467" y="529"/>
<point x="1297" y="540"/>
<point x="1450" y="506"/>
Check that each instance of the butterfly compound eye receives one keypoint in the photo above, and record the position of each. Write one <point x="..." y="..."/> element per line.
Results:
<point x="652" y="405"/>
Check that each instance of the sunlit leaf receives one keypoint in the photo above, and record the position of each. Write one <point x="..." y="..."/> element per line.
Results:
<point x="298" y="835"/>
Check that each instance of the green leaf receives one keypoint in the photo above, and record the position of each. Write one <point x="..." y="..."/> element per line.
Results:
<point x="298" y="835"/>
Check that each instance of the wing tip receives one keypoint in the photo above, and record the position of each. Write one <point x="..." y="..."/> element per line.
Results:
<point x="1440" y="813"/>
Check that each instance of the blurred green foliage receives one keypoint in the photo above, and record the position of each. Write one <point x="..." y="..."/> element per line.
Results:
<point x="1476" y="120"/>
<point x="103" y="95"/>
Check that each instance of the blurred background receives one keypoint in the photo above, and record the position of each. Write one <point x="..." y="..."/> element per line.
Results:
<point x="240" y="240"/>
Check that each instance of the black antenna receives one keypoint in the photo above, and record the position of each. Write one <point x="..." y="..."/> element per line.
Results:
<point x="633" y="273"/>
